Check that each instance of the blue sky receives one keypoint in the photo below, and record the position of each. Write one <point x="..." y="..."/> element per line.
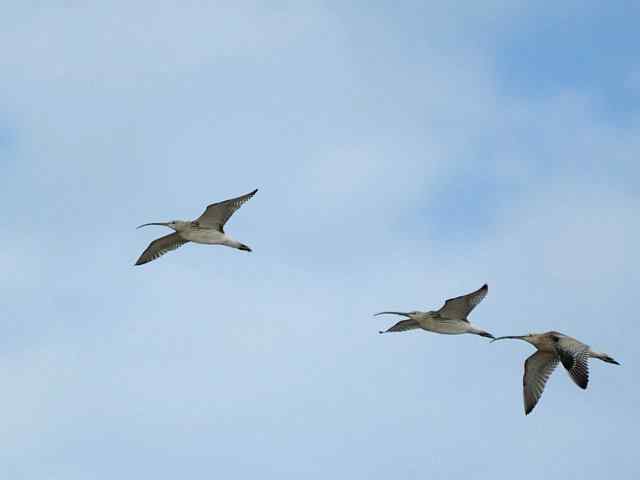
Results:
<point x="404" y="154"/>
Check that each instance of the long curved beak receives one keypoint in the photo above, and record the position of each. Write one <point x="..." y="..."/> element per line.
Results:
<point x="392" y="313"/>
<point x="516" y="337"/>
<point x="155" y="223"/>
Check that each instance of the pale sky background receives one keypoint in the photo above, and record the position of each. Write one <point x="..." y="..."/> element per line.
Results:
<point x="405" y="152"/>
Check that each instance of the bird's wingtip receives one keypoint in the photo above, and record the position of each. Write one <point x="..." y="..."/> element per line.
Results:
<point x="141" y="261"/>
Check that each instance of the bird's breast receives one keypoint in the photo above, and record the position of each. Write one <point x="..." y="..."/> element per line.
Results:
<point x="444" y="325"/>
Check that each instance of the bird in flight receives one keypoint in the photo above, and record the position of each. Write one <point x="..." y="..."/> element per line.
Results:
<point x="208" y="228"/>
<point x="553" y="348"/>
<point x="451" y="319"/>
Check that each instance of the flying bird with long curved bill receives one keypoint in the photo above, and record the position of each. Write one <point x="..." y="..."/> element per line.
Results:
<point x="208" y="229"/>
<point x="553" y="348"/>
<point x="451" y="319"/>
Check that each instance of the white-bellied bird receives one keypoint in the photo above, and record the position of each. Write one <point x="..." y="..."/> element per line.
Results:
<point x="208" y="228"/>
<point x="451" y="319"/>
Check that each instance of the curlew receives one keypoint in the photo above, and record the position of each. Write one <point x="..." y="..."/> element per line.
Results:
<point x="451" y="319"/>
<point x="554" y="347"/>
<point x="208" y="228"/>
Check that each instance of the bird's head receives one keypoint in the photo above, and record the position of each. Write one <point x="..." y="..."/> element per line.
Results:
<point x="554" y="336"/>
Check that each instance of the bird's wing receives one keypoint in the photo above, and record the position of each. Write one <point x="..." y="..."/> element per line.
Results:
<point x="160" y="246"/>
<point x="459" y="307"/>
<point x="217" y="214"/>
<point x="574" y="356"/>
<point x="403" y="326"/>
<point x="537" y="369"/>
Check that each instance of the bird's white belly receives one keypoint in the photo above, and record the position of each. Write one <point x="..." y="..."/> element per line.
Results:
<point x="446" y="326"/>
<point x="204" y="235"/>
